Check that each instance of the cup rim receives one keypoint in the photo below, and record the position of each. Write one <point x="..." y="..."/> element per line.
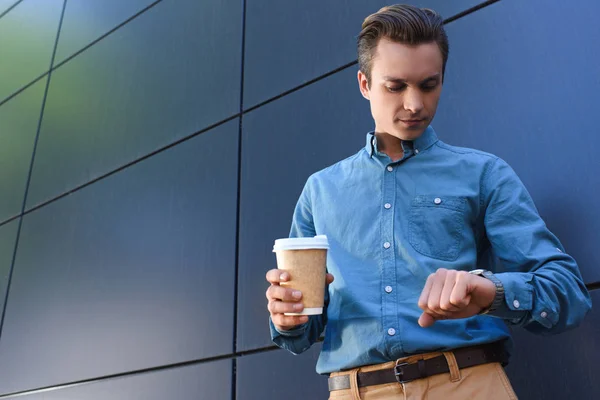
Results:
<point x="302" y="243"/>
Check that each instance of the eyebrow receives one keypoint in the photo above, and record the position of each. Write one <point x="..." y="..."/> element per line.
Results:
<point x="399" y="80"/>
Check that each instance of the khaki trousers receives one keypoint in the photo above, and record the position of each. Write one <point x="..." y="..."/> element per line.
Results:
<point x="486" y="382"/>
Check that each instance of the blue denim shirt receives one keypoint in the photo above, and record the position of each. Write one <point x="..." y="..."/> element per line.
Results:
<point x="391" y="224"/>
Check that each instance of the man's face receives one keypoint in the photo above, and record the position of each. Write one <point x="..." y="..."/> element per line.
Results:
<point x="406" y="83"/>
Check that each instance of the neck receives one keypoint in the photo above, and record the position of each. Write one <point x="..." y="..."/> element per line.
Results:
<point x="389" y="145"/>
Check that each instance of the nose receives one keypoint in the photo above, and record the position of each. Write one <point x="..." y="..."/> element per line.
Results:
<point x="413" y="101"/>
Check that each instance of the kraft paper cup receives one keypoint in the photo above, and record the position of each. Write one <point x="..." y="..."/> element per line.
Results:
<point x="305" y="260"/>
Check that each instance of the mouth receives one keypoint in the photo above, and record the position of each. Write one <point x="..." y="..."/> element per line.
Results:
<point x="412" y="122"/>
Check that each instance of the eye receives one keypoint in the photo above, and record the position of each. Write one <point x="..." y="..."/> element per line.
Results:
<point x="394" y="89"/>
<point x="429" y="86"/>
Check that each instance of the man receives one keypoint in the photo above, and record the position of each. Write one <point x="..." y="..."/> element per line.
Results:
<point x="409" y="219"/>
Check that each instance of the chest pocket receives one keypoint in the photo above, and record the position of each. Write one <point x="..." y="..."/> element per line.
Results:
<point x="435" y="226"/>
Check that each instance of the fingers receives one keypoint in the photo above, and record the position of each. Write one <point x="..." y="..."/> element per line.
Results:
<point x="446" y="295"/>
<point x="278" y="308"/>
<point x="281" y="307"/>
<point x="460" y="296"/>
<point x="430" y="299"/>
<point x="426" y="320"/>
<point x="423" y="299"/>
<point x="437" y="286"/>
<point x="275" y="276"/>
<point x="287" y="322"/>
<point x="446" y="301"/>
<point x="329" y="279"/>
<point x="283" y="300"/>
<point x="280" y="293"/>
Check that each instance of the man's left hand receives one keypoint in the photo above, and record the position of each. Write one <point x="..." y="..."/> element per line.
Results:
<point x="451" y="294"/>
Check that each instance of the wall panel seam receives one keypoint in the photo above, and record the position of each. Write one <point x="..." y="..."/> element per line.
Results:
<point x="237" y="115"/>
<point x="75" y="54"/>
<point x="238" y="205"/>
<point x="232" y="357"/>
<point x="12" y="264"/>
<point x="10" y="8"/>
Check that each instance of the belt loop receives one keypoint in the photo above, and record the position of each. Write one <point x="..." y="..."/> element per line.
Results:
<point x="353" y="376"/>
<point x="453" y="366"/>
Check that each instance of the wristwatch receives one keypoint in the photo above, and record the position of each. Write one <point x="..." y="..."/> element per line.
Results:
<point x="499" y="298"/>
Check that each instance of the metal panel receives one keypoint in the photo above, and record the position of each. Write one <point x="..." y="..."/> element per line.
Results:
<point x="204" y="381"/>
<point x="525" y="87"/>
<point x="19" y="119"/>
<point x="280" y="375"/>
<point x="6" y="4"/>
<point x="283" y="143"/>
<point x="8" y="237"/>
<point x="168" y="73"/>
<point x="289" y="43"/>
<point x="558" y="367"/>
<point x="132" y="272"/>
<point x="27" y="36"/>
<point x="85" y="21"/>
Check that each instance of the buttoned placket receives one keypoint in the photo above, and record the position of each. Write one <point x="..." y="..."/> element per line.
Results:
<point x="388" y="277"/>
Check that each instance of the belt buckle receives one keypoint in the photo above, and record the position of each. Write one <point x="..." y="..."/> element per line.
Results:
<point x="398" y="372"/>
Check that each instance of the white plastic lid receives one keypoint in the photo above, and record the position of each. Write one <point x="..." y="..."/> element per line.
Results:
<point x="317" y="242"/>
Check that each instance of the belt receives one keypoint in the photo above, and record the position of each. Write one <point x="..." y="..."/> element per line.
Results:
<point x="403" y="372"/>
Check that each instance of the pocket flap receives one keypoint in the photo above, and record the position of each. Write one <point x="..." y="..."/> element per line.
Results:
<point x="449" y="202"/>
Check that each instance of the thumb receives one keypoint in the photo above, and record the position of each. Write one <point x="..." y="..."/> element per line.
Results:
<point x="426" y="320"/>
<point x="329" y="278"/>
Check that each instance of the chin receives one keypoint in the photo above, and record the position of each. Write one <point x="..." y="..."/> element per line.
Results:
<point x="408" y="134"/>
<point x="403" y="133"/>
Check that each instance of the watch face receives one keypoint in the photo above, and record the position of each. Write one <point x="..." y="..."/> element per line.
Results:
<point x="478" y="271"/>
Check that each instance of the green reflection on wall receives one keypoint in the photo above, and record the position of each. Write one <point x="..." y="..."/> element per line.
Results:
<point x="27" y="37"/>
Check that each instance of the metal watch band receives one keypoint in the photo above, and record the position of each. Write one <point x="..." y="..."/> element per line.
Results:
<point x="499" y="298"/>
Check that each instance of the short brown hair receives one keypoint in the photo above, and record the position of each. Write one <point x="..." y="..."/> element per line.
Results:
<point x="403" y="24"/>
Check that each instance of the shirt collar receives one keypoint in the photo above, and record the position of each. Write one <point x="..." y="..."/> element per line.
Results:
<point x="426" y="140"/>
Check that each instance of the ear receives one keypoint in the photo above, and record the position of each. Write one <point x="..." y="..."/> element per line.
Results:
<point x="363" y="85"/>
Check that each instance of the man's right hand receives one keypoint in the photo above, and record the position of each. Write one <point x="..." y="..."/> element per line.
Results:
<point x="285" y="300"/>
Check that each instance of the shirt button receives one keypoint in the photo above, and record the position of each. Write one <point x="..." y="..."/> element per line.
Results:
<point x="516" y="304"/>
<point x="390" y="168"/>
<point x="387" y="245"/>
<point x="416" y="151"/>
<point x="543" y="314"/>
<point x="388" y="289"/>
<point x="388" y="206"/>
<point x="437" y="200"/>
<point x="391" y="331"/>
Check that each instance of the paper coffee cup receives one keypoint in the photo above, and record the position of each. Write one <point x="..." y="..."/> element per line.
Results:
<point x="305" y="260"/>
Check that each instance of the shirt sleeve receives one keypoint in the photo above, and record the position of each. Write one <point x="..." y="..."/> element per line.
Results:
<point x="302" y="337"/>
<point x="544" y="291"/>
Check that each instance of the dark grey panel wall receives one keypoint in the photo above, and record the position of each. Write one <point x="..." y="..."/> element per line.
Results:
<point x="283" y="143"/>
<point x="558" y="367"/>
<point x="203" y="381"/>
<point x="8" y="236"/>
<point x="132" y="272"/>
<point x="151" y="82"/>
<point x="85" y="21"/>
<point x="27" y="36"/>
<point x="280" y="375"/>
<point x="289" y="43"/>
<point x="19" y="119"/>
<point x="527" y="92"/>
<point x="137" y="270"/>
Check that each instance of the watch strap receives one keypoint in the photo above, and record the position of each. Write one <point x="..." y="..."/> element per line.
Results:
<point x="499" y="297"/>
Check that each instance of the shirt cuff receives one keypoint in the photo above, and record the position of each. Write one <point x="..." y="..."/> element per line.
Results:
<point x="518" y="296"/>
<point x="297" y="331"/>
